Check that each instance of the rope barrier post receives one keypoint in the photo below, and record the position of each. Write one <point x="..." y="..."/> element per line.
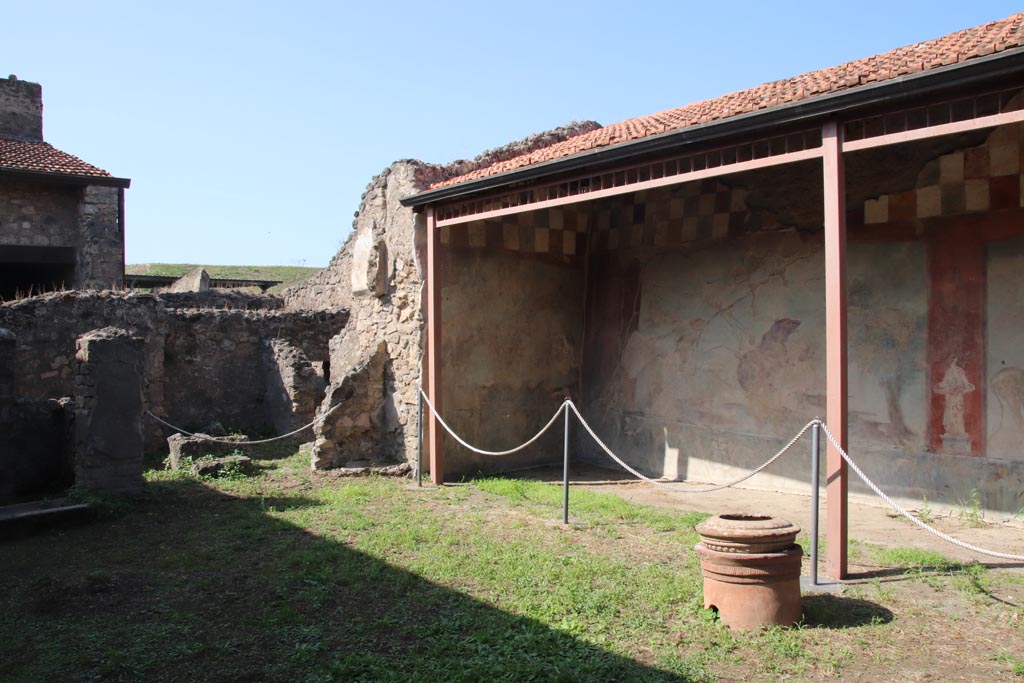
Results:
<point x="815" y="458"/>
<point x="419" y="439"/>
<point x="565" y="469"/>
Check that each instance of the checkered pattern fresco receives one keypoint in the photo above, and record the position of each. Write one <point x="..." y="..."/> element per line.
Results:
<point x="664" y="217"/>
<point x="554" y="232"/>
<point x="671" y="216"/>
<point x="982" y="178"/>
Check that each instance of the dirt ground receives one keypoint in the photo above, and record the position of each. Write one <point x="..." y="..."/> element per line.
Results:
<point x="870" y="519"/>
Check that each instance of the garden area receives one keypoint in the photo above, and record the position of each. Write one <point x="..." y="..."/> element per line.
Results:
<point x="289" y="576"/>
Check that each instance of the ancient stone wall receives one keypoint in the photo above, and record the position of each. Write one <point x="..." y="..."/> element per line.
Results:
<point x="512" y="332"/>
<point x="21" y="110"/>
<point x="109" y="412"/>
<point x="294" y="386"/>
<point x="378" y="276"/>
<point x="33" y="446"/>
<point x="200" y="366"/>
<point x="352" y="433"/>
<point x="222" y="298"/>
<point x="100" y="256"/>
<point x="38" y="215"/>
<point x="85" y="220"/>
<point x="380" y="282"/>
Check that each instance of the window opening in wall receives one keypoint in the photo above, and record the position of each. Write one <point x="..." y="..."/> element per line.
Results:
<point x="33" y="270"/>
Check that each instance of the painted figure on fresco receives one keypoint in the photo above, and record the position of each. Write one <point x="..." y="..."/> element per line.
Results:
<point x="953" y="386"/>
<point x="770" y="374"/>
<point x="1008" y="438"/>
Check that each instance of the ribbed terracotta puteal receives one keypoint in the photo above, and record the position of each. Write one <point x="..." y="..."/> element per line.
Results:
<point x="751" y="568"/>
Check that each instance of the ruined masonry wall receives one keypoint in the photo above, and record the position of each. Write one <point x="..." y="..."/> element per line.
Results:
<point x="99" y="262"/>
<point x="21" y="105"/>
<point x="36" y="215"/>
<point x="84" y="219"/>
<point x="199" y="365"/>
<point x="377" y="275"/>
<point x="109" y="412"/>
<point x="380" y="283"/>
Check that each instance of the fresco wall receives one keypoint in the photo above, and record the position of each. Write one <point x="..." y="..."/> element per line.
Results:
<point x="704" y="349"/>
<point x="512" y="305"/>
<point x="725" y="359"/>
<point x="1005" y="357"/>
<point x="688" y="322"/>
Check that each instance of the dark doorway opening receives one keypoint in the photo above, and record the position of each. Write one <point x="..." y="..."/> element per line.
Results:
<point x="25" y="271"/>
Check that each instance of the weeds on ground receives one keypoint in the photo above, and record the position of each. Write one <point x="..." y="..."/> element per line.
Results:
<point x="971" y="511"/>
<point x="1015" y="661"/>
<point x="231" y="470"/>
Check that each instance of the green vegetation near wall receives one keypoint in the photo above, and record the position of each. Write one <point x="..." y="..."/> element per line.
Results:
<point x="288" y="275"/>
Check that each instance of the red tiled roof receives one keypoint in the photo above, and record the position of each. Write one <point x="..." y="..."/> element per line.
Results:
<point x="956" y="47"/>
<point x="42" y="157"/>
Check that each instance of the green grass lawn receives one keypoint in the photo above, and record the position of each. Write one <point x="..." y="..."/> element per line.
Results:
<point x="287" y="576"/>
<point x="288" y="275"/>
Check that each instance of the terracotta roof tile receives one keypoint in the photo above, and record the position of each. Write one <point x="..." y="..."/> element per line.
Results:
<point x="42" y="157"/>
<point x="956" y="47"/>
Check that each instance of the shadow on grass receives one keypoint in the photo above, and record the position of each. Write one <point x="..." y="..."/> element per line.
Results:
<point x="914" y="573"/>
<point x="194" y="585"/>
<point x="835" y="612"/>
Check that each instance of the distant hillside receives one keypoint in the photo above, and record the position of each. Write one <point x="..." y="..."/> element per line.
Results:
<point x="288" y="275"/>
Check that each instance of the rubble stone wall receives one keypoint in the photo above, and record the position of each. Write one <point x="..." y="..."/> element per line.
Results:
<point x="200" y="366"/>
<point x="109" y="412"/>
<point x="34" y="214"/>
<point x="381" y="286"/>
<point x="99" y="260"/>
<point x="21" y="110"/>
<point x="38" y="215"/>
<point x="378" y="276"/>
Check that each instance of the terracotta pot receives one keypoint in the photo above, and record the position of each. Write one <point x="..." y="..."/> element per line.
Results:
<point x="751" y="570"/>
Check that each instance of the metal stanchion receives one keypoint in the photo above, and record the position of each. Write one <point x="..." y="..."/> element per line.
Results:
<point x="419" y="440"/>
<point x="815" y="457"/>
<point x="565" y="470"/>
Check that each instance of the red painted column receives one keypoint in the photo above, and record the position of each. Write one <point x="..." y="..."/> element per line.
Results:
<point x="956" y="344"/>
<point x="434" y="435"/>
<point x="835" y="348"/>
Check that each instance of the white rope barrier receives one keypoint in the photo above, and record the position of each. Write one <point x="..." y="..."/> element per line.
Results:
<point x="568" y="404"/>
<point x="206" y="437"/>
<point x="898" y="508"/>
<point x="674" y="489"/>
<point x="480" y="450"/>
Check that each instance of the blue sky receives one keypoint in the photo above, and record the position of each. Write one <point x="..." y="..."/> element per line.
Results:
<point x="250" y="130"/>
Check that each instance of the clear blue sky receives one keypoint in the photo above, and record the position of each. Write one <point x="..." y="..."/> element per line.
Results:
<point x="250" y="130"/>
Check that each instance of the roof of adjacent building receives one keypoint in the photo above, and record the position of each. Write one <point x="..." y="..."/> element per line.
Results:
<point x="956" y="47"/>
<point x="42" y="157"/>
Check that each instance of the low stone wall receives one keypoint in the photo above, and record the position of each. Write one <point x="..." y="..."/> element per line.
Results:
<point x="199" y="365"/>
<point x="220" y="298"/>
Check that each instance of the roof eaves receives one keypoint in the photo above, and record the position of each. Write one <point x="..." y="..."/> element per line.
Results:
<point x="1007" y="62"/>
<point x="66" y="178"/>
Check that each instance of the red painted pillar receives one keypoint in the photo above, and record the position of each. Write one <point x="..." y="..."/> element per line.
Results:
<point x="434" y="435"/>
<point x="956" y="343"/>
<point x="835" y="348"/>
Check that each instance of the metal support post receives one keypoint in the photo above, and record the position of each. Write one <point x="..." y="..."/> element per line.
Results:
<point x="419" y="439"/>
<point x="565" y="468"/>
<point x="815" y="457"/>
